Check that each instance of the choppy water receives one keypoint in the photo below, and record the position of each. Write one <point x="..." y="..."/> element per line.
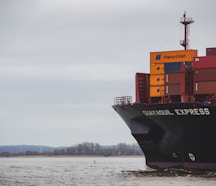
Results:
<point x="101" y="171"/>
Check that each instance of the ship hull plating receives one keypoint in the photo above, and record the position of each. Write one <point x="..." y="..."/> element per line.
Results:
<point x="181" y="135"/>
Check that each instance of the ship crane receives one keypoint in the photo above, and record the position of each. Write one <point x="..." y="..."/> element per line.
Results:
<point x="186" y="22"/>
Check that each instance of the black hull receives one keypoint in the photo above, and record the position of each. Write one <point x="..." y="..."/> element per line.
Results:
<point x="181" y="135"/>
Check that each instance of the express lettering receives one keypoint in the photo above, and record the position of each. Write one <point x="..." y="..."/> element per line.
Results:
<point x="194" y="111"/>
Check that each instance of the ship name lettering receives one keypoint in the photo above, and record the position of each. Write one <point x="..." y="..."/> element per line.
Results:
<point x="157" y="112"/>
<point x="178" y="112"/>
<point x="194" y="111"/>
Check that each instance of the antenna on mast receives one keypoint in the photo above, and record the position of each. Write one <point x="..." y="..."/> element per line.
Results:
<point x="186" y="22"/>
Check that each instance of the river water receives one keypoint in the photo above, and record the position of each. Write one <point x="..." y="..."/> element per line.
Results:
<point x="93" y="171"/>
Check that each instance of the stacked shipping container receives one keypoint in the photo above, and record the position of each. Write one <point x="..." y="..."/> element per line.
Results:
<point x="156" y="80"/>
<point x="205" y="75"/>
<point x="167" y="72"/>
<point x="173" y="56"/>
<point x="178" y="74"/>
<point x="210" y="51"/>
<point x="142" y="88"/>
<point x="174" y="79"/>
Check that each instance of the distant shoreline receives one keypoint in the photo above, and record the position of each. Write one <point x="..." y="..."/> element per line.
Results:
<point x="71" y="156"/>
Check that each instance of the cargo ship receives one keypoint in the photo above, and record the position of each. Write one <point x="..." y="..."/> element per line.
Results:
<point x="173" y="118"/>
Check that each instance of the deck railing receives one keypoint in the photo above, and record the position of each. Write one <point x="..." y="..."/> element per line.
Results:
<point x="123" y="100"/>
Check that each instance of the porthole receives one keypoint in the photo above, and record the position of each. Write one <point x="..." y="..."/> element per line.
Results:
<point x="192" y="156"/>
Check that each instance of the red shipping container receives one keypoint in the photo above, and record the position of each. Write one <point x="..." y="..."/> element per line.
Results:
<point x="174" y="89"/>
<point x="206" y="74"/>
<point x="210" y="51"/>
<point x="174" y="78"/>
<point x="205" y="62"/>
<point x="208" y="87"/>
<point x="142" y="88"/>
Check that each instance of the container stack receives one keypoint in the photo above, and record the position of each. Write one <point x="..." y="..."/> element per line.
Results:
<point x="205" y="75"/>
<point x="167" y="72"/>
<point x="174" y="79"/>
<point x="142" y="88"/>
<point x="156" y="80"/>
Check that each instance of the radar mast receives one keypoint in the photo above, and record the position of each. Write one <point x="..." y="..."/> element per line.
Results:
<point x="186" y="22"/>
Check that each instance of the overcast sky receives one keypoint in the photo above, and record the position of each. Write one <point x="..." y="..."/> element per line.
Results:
<point x="62" y="62"/>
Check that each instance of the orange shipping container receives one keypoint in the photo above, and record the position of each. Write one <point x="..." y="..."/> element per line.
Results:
<point x="173" y="56"/>
<point x="157" y="68"/>
<point x="157" y="79"/>
<point x="157" y="91"/>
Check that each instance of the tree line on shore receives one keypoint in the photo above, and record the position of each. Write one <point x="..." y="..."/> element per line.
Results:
<point x="86" y="148"/>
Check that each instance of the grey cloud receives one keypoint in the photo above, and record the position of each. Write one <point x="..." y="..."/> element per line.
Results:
<point x="62" y="62"/>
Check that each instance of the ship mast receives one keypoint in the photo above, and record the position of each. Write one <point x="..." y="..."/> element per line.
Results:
<point x="186" y="22"/>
